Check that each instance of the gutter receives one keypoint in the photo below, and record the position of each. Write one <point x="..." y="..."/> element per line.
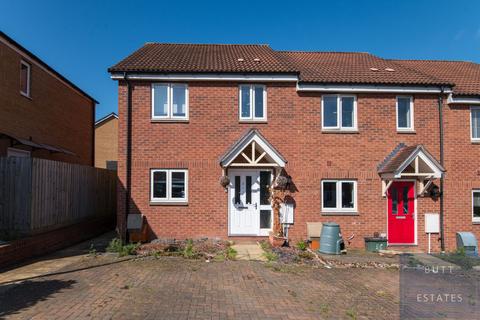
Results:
<point x="462" y="100"/>
<point x="124" y="233"/>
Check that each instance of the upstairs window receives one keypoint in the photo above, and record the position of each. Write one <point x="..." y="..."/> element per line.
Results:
<point x="253" y="102"/>
<point x="475" y="123"/>
<point x="339" y="112"/>
<point x="169" y="101"/>
<point x="25" y="78"/>
<point x="404" y="114"/>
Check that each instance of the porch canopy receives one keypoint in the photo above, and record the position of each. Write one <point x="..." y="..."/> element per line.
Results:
<point x="17" y="141"/>
<point x="410" y="162"/>
<point x="252" y="150"/>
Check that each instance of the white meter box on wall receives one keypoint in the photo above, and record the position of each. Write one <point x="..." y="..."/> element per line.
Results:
<point x="432" y="223"/>
<point x="286" y="213"/>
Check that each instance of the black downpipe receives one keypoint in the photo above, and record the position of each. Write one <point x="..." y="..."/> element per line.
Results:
<point x="129" y="155"/>
<point x="94" y="106"/>
<point x="440" y="126"/>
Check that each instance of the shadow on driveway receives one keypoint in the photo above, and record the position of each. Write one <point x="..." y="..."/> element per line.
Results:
<point x="17" y="297"/>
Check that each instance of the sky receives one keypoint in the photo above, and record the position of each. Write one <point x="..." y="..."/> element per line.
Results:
<point x="81" y="39"/>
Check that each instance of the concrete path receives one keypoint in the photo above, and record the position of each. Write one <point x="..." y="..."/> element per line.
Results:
<point x="55" y="261"/>
<point x="249" y="251"/>
<point x="429" y="260"/>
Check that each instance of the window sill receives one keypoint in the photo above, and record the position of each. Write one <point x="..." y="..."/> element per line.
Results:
<point x="170" y="120"/>
<point x="344" y="131"/>
<point x="25" y="95"/>
<point x="475" y="142"/>
<point x="252" y="121"/>
<point x="168" y="203"/>
<point x="340" y="213"/>
<point x="406" y="131"/>
<point x="476" y="222"/>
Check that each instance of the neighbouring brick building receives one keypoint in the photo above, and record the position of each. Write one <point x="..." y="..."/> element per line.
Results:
<point x="363" y="141"/>
<point x="106" y="142"/>
<point x="42" y="114"/>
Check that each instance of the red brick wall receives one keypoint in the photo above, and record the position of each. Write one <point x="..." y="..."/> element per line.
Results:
<point x="56" y="114"/>
<point x="16" y="251"/>
<point x="463" y="173"/>
<point x="294" y="128"/>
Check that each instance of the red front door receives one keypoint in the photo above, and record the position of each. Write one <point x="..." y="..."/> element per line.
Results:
<point x="401" y="213"/>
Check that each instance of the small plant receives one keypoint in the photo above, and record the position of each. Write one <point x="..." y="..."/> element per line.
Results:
<point x="324" y="308"/>
<point x="265" y="246"/>
<point x="189" y="250"/>
<point x="270" y="256"/>
<point x="115" y="245"/>
<point x="306" y="255"/>
<point x="302" y="245"/>
<point x="351" y="313"/>
<point x="219" y="258"/>
<point x="123" y="250"/>
<point x="92" y="251"/>
<point x="231" y="253"/>
<point x="128" y="249"/>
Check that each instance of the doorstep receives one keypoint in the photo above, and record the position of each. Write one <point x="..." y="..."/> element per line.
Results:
<point x="249" y="251"/>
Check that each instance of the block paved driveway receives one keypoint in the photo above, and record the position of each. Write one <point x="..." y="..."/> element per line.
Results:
<point x="105" y="287"/>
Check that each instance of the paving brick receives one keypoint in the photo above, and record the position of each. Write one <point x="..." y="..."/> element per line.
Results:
<point x="175" y="288"/>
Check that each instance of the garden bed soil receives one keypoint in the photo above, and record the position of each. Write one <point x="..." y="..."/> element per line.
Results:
<point x="199" y="248"/>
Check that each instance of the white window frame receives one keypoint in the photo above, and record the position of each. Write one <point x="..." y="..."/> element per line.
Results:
<point x="168" y="198"/>
<point x="339" y="208"/>
<point x="170" y="116"/>
<point x="473" y="108"/>
<point x="412" y="117"/>
<point x="339" y="126"/>
<point x="252" y="103"/>
<point x="29" y="69"/>
<point x="474" y="219"/>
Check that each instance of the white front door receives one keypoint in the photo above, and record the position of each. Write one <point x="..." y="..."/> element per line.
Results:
<point x="250" y="210"/>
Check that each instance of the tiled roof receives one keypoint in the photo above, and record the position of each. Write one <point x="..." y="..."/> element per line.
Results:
<point x="396" y="158"/>
<point x="162" y="57"/>
<point x="465" y="75"/>
<point x="319" y="67"/>
<point x="354" y="67"/>
<point x="402" y="153"/>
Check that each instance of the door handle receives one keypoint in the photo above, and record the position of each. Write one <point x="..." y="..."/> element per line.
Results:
<point x="255" y="206"/>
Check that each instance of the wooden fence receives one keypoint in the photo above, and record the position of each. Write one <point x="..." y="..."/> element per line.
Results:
<point x="38" y="195"/>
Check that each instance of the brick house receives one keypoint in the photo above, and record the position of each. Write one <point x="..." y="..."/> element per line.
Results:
<point x="42" y="114"/>
<point x="366" y="142"/>
<point x="106" y="142"/>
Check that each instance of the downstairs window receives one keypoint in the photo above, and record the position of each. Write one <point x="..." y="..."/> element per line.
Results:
<point x="339" y="196"/>
<point x="168" y="185"/>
